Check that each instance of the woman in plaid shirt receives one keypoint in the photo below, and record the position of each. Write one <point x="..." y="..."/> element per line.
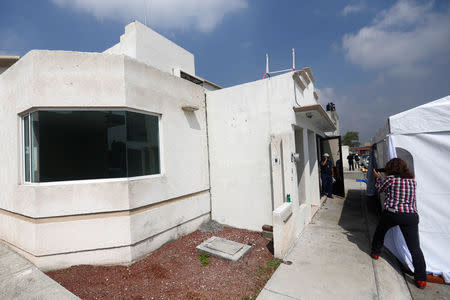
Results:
<point x="400" y="209"/>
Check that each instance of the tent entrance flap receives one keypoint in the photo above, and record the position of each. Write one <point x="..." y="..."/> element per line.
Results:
<point x="333" y="146"/>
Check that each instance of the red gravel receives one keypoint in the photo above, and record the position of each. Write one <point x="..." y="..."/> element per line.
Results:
<point x="174" y="271"/>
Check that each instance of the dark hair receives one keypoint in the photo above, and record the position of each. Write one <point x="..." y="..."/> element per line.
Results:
<point x="398" y="168"/>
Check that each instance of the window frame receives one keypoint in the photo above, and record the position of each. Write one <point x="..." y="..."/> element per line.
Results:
<point x="24" y="152"/>
<point x="22" y="143"/>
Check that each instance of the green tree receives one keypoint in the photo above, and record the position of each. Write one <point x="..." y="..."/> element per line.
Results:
<point x="351" y="139"/>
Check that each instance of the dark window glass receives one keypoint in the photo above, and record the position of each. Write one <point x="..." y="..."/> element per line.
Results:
<point x="76" y="145"/>
<point x="142" y="144"/>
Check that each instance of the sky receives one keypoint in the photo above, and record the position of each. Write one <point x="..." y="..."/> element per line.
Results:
<point x="372" y="59"/>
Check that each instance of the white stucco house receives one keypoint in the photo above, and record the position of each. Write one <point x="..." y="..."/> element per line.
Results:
<point x="264" y="144"/>
<point x="107" y="156"/>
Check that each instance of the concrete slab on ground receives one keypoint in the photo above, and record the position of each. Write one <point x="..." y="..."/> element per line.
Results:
<point x="20" y="279"/>
<point x="223" y="248"/>
<point x="435" y="291"/>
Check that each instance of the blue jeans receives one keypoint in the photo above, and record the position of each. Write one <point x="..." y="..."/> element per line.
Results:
<point x="327" y="184"/>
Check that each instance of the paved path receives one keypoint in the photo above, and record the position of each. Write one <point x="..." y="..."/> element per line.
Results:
<point x="20" y="279"/>
<point x="331" y="258"/>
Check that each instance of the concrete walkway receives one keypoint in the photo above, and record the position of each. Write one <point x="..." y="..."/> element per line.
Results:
<point x="20" y="279"/>
<point x="330" y="260"/>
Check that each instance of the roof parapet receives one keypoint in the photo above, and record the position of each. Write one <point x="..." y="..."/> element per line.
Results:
<point x="309" y="72"/>
<point x="298" y="80"/>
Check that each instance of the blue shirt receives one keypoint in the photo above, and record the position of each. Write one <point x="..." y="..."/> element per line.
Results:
<point x="326" y="169"/>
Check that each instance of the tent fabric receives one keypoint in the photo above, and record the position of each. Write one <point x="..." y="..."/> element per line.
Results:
<point x="394" y="239"/>
<point x="434" y="117"/>
<point x="392" y="153"/>
<point x="430" y="150"/>
<point x="431" y="158"/>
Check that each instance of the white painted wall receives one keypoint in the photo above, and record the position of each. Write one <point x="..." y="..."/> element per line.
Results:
<point x="242" y="121"/>
<point x="345" y="152"/>
<point x="239" y="138"/>
<point x="58" y="218"/>
<point x="284" y="227"/>
<point x="149" y="47"/>
<point x="313" y="169"/>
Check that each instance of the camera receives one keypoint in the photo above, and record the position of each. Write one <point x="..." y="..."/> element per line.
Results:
<point x="380" y="170"/>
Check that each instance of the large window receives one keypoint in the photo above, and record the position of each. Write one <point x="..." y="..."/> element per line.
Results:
<point x="74" y="145"/>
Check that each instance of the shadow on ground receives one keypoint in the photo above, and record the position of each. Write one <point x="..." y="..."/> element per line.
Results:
<point x="359" y="218"/>
<point x="353" y="222"/>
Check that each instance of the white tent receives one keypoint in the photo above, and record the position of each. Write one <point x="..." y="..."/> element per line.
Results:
<point x="421" y="136"/>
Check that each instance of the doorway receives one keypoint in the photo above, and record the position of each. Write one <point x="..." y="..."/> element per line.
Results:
<point x="333" y="146"/>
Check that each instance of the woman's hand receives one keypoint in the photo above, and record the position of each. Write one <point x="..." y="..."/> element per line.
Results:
<point x="376" y="174"/>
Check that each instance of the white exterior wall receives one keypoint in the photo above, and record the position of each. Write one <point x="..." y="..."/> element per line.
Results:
<point x="47" y="221"/>
<point x="313" y="168"/>
<point x="147" y="46"/>
<point x="345" y="153"/>
<point x="239" y="139"/>
<point x="241" y="123"/>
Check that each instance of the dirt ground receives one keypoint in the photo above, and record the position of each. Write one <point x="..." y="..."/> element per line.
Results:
<point x="178" y="271"/>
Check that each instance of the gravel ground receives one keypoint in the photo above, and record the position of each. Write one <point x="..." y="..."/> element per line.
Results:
<point x="175" y="271"/>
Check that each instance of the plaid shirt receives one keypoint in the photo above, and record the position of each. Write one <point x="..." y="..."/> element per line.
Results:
<point x="400" y="193"/>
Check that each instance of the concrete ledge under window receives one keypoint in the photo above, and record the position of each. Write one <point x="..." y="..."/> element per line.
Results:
<point x="87" y="197"/>
<point x="88" y="181"/>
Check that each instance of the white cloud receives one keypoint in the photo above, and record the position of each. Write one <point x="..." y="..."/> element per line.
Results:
<point x="401" y="39"/>
<point x="202" y="15"/>
<point x="352" y="8"/>
<point x="326" y="95"/>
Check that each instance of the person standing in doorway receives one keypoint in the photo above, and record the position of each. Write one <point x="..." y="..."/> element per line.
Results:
<point x="350" y="162"/>
<point x="400" y="209"/>
<point x="357" y="161"/>
<point x="326" y="174"/>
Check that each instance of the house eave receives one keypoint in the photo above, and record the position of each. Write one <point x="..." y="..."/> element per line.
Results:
<point x="317" y="115"/>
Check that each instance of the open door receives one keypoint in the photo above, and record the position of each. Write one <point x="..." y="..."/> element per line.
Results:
<point x="333" y="146"/>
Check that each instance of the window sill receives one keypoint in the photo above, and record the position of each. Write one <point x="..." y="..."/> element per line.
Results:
<point x="88" y="181"/>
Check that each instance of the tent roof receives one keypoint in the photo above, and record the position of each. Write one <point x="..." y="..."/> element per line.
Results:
<point x="430" y="117"/>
